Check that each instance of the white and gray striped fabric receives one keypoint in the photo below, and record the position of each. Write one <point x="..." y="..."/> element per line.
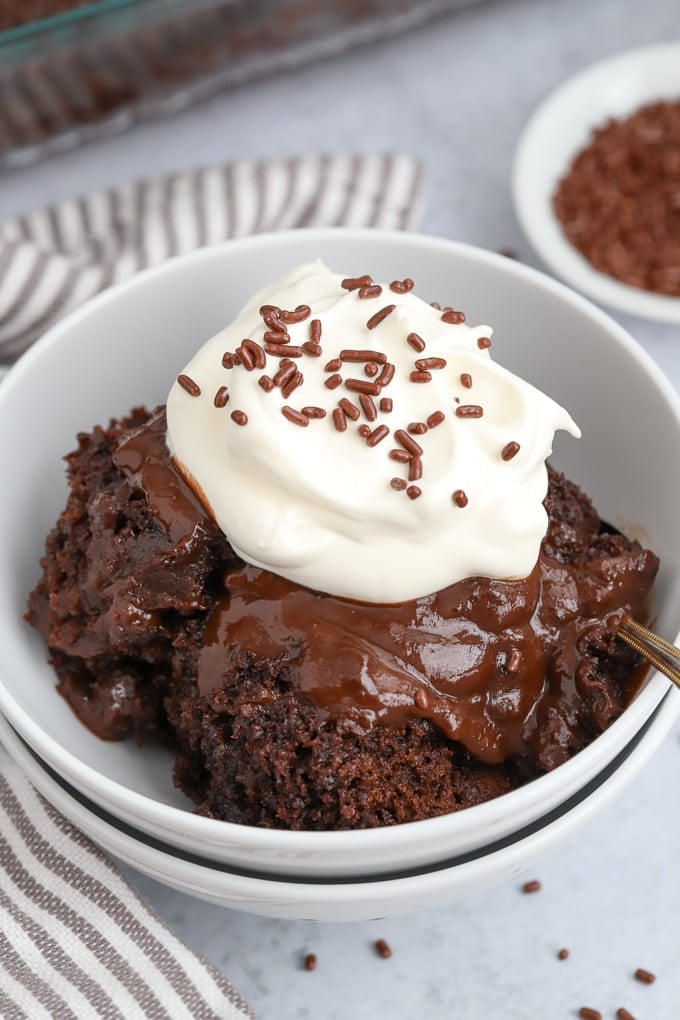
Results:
<point x="76" y="940"/>
<point x="54" y="259"/>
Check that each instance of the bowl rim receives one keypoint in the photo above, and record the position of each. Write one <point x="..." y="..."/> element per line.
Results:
<point x="534" y="209"/>
<point x="290" y="841"/>
<point x="555" y="825"/>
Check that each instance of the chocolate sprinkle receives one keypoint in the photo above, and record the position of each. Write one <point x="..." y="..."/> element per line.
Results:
<point x="310" y="961"/>
<point x="416" y="342"/>
<point x="402" y="286"/>
<point x="377" y="435"/>
<point x="563" y="954"/>
<point x="333" y="365"/>
<point x="413" y="492"/>
<point x="386" y="404"/>
<point x="311" y="348"/>
<point x="350" y="409"/>
<point x="415" y="469"/>
<point x="466" y="380"/>
<point x="227" y="360"/>
<point x="510" y="450"/>
<point x="333" y="382"/>
<point x="314" y="412"/>
<point x="586" y="1013"/>
<point x="301" y="313"/>
<point x="408" y="443"/>
<point x="363" y="386"/>
<point x="436" y="418"/>
<point x="623" y="1014"/>
<point x="286" y="371"/>
<point x="420" y="377"/>
<point x="483" y="343"/>
<point x="315" y="331"/>
<point x="531" y="887"/>
<point x="370" y="291"/>
<point x="239" y="417"/>
<point x="221" y="397"/>
<point x="383" y="949"/>
<point x="368" y="407"/>
<point x="277" y="336"/>
<point x="455" y="318"/>
<point x="364" y="431"/>
<point x="645" y="976"/>
<point x="376" y="319"/>
<point x="459" y="498"/>
<point x="267" y="383"/>
<point x="371" y="369"/>
<point x="400" y="455"/>
<point x="247" y="359"/>
<point x="339" y="419"/>
<point x="281" y="351"/>
<point x="424" y="363"/>
<point x="354" y="282"/>
<point x="387" y="375"/>
<point x="398" y="483"/>
<point x="297" y="417"/>
<point x="354" y="355"/>
<point x="188" y="384"/>
<point x="417" y="428"/>
<point x="469" y="411"/>
<point x="292" y="384"/>
<point x="513" y="661"/>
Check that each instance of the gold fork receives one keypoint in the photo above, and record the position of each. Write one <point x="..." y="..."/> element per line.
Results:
<point x="659" y="653"/>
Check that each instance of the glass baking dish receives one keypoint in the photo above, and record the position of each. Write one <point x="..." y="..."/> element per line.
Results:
<point x="100" y="67"/>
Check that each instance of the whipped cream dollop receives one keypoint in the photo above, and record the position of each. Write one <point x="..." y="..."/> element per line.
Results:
<point x="361" y="442"/>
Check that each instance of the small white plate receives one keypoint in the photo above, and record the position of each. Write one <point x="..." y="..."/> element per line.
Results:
<point x="557" y="131"/>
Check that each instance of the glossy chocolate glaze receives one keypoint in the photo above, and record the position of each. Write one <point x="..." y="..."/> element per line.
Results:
<point x="485" y="660"/>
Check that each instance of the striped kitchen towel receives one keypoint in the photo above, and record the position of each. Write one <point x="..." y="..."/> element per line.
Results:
<point x="54" y="259"/>
<point x="76" y="939"/>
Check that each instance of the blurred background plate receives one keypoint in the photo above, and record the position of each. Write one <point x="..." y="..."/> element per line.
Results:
<point x="557" y="131"/>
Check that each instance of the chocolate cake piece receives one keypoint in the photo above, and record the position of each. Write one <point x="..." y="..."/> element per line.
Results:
<point x="291" y="709"/>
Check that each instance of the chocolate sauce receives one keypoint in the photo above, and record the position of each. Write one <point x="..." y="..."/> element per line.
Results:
<point x="484" y="660"/>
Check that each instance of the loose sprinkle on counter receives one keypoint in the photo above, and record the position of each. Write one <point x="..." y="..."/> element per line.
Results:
<point x="532" y="887"/>
<point x="310" y="961"/>
<point x="188" y="384"/>
<point x="645" y="976"/>
<point x="563" y="954"/>
<point x="623" y="1014"/>
<point x="586" y="1013"/>
<point x="383" y="949"/>
<point x="510" y="450"/>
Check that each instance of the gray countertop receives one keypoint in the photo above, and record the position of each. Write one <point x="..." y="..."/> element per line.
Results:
<point x="456" y="94"/>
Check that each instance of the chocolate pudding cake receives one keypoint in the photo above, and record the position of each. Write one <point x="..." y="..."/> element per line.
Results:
<point x="253" y="632"/>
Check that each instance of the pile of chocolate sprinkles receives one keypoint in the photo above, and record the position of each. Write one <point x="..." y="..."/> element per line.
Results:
<point x="619" y="202"/>
<point x="367" y="399"/>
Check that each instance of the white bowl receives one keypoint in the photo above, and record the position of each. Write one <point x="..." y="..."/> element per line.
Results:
<point x="562" y="126"/>
<point x="124" y="348"/>
<point x="407" y="892"/>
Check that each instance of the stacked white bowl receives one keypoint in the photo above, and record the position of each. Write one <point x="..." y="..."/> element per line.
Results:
<point x="124" y="349"/>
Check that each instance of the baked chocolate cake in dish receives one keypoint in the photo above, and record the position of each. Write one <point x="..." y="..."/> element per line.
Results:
<point x="334" y="571"/>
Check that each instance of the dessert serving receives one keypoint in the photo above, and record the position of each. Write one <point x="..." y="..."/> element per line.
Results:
<point x="334" y="571"/>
